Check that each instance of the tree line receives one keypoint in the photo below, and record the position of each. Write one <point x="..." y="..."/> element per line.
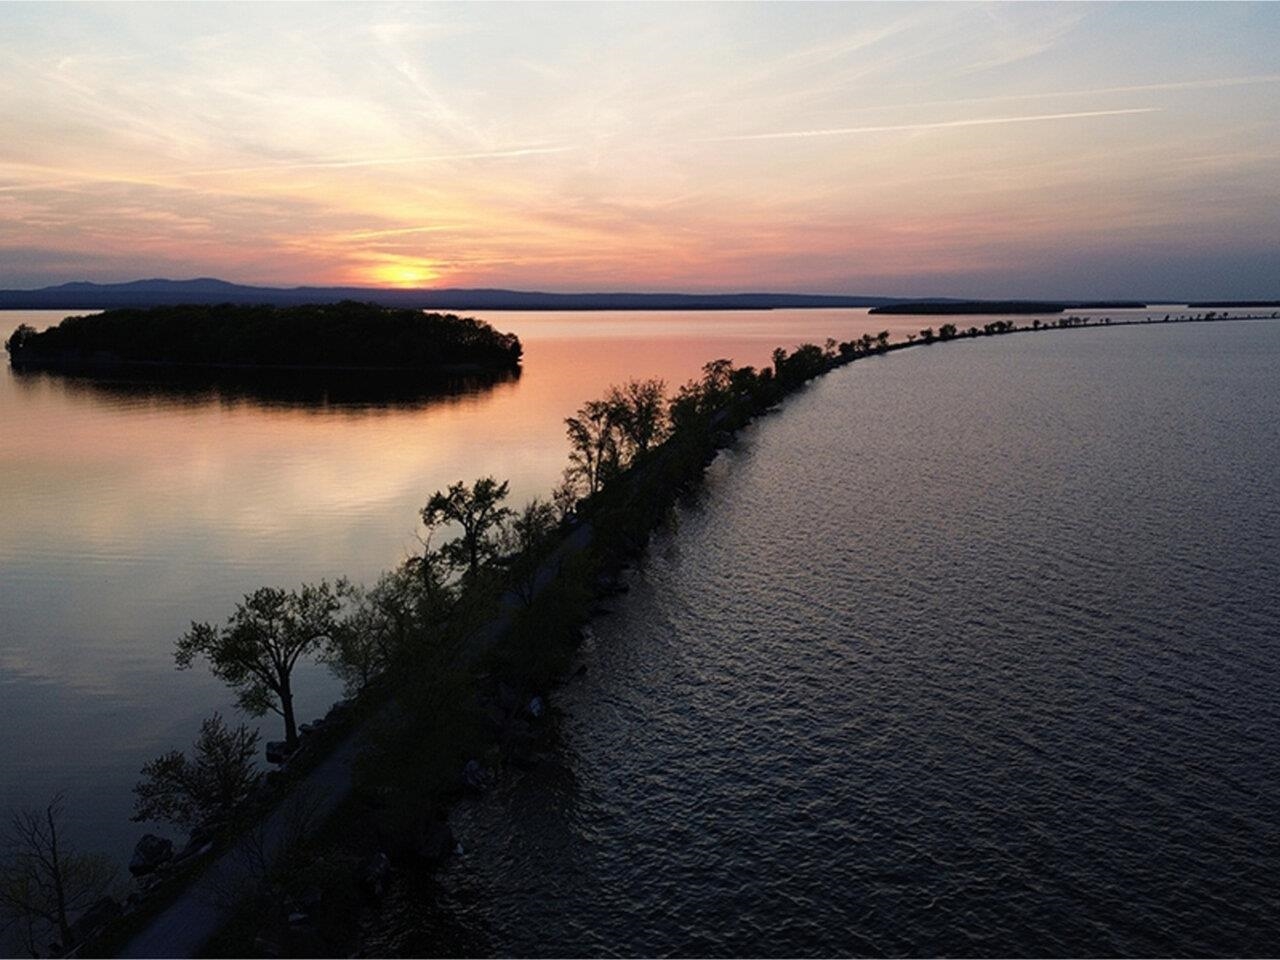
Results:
<point x="348" y="334"/>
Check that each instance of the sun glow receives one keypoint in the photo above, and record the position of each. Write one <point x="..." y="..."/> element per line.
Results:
<point x="405" y="273"/>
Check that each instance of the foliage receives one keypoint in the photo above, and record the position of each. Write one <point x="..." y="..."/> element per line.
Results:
<point x="382" y="622"/>
<point x="217" y="779"/>
<point x="476" y="509"/>
<point x="526" y="541"/>
<point x="20" y="338"/>
<point x="43" y="883"/>
<point x="638" y="413"/>
<point x="594" y="457"/>
<point x="346" y="334"/>
<point x="256" y="651"/>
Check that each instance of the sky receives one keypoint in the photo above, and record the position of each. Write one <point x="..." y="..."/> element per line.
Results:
<point x="1001" y="150"/>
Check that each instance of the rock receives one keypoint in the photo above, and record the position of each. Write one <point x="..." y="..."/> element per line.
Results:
<point x="278" y="751"/>
<point x="375" y="874"/>
<point x="536" y="707"/>
<point x="150" y="853"/>
<point x="103" y="911"/>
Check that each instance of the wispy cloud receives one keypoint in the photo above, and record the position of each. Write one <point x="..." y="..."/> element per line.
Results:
<point x="346" y="162"/>
<point x="1211" y="83"/>
<point x="938" y="125"/>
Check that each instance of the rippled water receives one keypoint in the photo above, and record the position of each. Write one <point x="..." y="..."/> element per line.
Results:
<point x="973" y="649"/>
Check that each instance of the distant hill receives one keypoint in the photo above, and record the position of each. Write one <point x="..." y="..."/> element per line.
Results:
<point x="206" y="290"/>
<point x="1238" y="304"/>
<point x="963" y="307"/>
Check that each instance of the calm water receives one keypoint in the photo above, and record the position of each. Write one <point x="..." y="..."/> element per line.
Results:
<point x="130" y="509"/>
<point x="969" y="650"/>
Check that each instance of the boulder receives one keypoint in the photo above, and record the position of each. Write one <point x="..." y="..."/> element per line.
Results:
<point x="149" y="854"/>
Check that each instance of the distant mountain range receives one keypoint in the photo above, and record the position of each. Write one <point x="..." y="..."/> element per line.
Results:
<point x="152" y="293"/>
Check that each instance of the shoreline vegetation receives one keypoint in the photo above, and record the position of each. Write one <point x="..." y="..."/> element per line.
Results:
<point x="346" y="336"/>
<point x="449" y="661"/>
<point x="995" y="307"/>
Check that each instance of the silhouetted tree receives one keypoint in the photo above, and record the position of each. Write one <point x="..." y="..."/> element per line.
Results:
<point x="211" y="785"/>
<point x="43" y="882"/>
<point x="526" y="540"/>
<point x="261" y="643"/>
<point x="594" y="457"/>
<point x="19" y="338"/>
<point x="882" y="339"/>
<point x="927" y="335"/>
<point x="637" y="411"/>
<point x="477" y="510"/>
<point x="378" y="625"/>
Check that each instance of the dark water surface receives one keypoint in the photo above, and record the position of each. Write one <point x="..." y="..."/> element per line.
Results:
<point x="969" y="650"/>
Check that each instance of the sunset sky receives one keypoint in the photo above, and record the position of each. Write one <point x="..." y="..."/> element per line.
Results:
<point x="908" y="149"/>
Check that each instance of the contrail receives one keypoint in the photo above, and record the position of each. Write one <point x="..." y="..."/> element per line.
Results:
<point x="943" y="124"/>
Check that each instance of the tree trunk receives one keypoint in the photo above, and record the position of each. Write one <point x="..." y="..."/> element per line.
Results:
<point x="286" y="708"/>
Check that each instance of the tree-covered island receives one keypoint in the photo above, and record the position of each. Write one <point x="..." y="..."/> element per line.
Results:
<point x="346" y="335"/>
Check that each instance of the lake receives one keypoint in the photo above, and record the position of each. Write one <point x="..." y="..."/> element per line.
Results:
<point x="969" y="650"/>
<point x="133" y="508"/>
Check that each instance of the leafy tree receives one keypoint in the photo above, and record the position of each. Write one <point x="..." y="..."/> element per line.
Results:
<point x="637" y="411"/>
<point x="211" y="785"/>
<point x="882" y="339"/>
<point x="564" y="498"/>
<point x="594" y="457"/>
<point x="526" y="540"/>
<point x="927" y="335"/>
<point x="19" y="338"/>
<point x="378" y="627"/>
<point x="256" y="651"/>
<point x="947" y="331"/>
<point x="43" y="883"/>
<point x="476" y="509"/>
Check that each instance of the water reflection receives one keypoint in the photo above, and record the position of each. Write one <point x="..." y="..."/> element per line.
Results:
<point x="308" y="390"/>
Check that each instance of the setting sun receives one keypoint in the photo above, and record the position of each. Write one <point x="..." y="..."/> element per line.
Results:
<point x="407" y="273"/>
